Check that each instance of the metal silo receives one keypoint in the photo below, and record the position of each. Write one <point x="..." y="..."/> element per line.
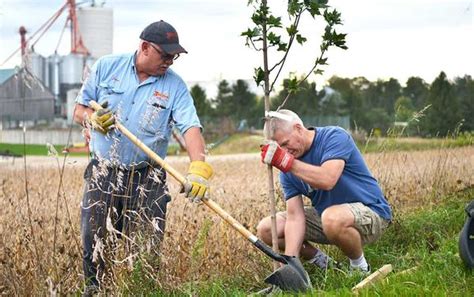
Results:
<point x="72" y="67"/>
<point x="46" y="80"/>
<point x="96" y="27"/>
<point x="37" y="66"/>
<point x="54" y="62"/>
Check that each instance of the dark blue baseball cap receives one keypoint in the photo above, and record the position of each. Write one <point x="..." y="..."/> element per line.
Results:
<point x="164" y="35"/>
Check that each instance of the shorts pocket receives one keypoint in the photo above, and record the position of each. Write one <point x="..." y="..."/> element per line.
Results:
<point x="365" y="224"/>
<point x="363" y="219"/>
<point x="369" y="224"/>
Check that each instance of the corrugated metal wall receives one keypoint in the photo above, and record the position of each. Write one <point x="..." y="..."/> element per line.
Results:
<point x="25" y="98"/>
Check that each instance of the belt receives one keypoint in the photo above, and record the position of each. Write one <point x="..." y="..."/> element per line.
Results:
<point x="130" y="167"/>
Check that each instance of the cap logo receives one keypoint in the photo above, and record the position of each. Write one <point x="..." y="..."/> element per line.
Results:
<point x="171" y="35"/>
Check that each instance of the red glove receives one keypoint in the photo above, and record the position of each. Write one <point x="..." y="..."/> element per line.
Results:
<point x="273" y="154"/>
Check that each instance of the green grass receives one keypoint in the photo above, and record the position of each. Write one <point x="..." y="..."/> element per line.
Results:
<point x="42" y="150"/>
<point x="413" y="144"/>
<point x="426" y="239"/>
<point x="31" y="149"/>
<point x="238" y="143"/>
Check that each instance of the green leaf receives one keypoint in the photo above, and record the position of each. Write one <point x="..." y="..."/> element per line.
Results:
<point x="257" y="18"/>
<point x="321" y="61"/>
<point x="282" y="47"/>
<point x="332" y="17"/>
<point x="293" y="7"/>
<point x="273" y="39"/>
<point x="318" y="71"/>
<point x="259" y="75"/>
<point x="313" y="6"/>
<point x="292" y="85"/>
<point x="292" y="30"/>
<point x="300" y="39"/>
<point x="250" y="33"/>
<point x="274" y="22"/>
<point x="321" y="2"/>
<point x="324" y="46"/>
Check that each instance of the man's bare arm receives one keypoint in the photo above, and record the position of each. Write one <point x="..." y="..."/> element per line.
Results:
<point x="81" y="112"/>
<point x="322" y="177"/>
<point x="195" y="144"/>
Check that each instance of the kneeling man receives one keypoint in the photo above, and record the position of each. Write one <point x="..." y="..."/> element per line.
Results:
<point x="348" y="208"/>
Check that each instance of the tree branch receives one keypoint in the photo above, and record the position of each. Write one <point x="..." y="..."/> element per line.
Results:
<point x="283" y="60"/>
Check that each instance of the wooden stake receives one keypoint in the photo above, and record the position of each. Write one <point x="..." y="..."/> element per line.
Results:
<point x="407" y="271"/>
<point x="374" y="277"/>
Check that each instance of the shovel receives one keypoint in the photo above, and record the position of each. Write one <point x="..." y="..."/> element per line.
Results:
<point x="289" y="277"/>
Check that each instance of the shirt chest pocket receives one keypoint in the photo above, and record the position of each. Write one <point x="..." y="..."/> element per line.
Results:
<point x="156" y="119"/>
<point x="110" y="93"/>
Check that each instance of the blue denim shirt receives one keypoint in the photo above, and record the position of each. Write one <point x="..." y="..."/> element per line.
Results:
<point x="148" y="109"/>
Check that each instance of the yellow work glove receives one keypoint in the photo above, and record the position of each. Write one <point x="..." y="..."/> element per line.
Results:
<point x="102" y="120"/>
<point x="197" y="185"/>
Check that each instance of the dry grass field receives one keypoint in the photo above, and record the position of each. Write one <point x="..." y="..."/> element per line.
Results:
<point x="40" y="240"/>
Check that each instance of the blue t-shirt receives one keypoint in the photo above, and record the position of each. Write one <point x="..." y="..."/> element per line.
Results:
<point x="148" y="109"/>
<point x="356" y="183"/>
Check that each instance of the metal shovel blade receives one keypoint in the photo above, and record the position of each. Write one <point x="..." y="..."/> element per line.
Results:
<point x="291" y="276"/>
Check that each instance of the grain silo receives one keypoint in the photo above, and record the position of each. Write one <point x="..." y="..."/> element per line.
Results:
<point x="96" y="28"/>
<point x="54" y="65"/>
<point x="37" y="66"/>
<point x="72" y="67"/>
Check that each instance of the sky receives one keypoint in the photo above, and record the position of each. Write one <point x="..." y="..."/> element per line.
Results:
<point x="386" y="38"/>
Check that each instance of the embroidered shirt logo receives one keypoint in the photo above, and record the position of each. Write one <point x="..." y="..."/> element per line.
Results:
<point x="160" y="95"/>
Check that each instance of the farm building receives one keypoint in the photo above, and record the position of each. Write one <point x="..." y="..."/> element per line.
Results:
<point x="23" y="98"/>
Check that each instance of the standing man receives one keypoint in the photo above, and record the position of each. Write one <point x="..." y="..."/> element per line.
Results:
<point x="348" y="207"/>
<point x="122" y="185"/>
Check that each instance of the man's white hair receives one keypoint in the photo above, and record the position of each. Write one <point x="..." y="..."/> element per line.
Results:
<point x="282" y="120"/>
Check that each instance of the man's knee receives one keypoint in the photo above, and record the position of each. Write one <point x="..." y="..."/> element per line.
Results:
<point x="264" y="229"/>
<point x="335" y="219"/>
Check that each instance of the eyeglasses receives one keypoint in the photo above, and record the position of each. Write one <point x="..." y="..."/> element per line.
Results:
<point x="164" y="56"/>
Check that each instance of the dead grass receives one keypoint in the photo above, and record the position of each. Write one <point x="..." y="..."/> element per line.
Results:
<point x="198" y="245"/>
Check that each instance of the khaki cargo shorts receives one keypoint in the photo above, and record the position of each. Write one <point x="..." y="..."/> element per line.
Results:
<point x="369" y="224"/>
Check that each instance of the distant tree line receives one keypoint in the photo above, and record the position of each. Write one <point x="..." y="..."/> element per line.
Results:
<point x="423" y="109"/>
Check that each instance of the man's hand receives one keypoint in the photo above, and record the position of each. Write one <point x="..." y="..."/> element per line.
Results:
<point x="197" y="185"/>
<point x="273" y="154"/>
<point x="103" y="119"/>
